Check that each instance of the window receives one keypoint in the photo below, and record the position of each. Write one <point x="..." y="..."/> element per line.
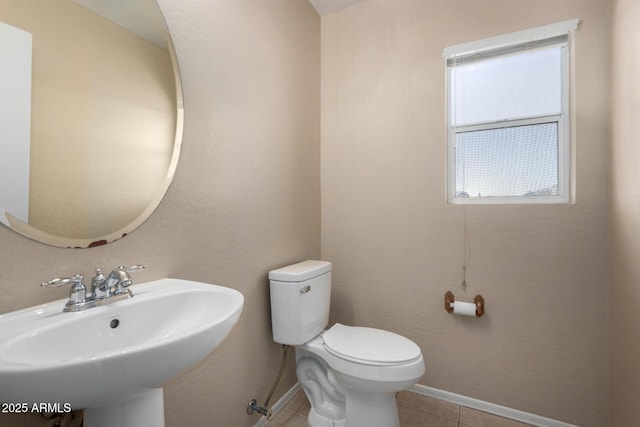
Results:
<point x="508" y="121"/>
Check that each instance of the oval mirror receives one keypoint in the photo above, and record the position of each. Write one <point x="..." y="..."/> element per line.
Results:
<point x="91" y="124"/>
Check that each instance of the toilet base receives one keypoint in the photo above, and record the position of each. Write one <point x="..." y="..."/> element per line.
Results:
<point x="368" y="409"/>
<point x="362" y="410"/>
<point x="316" y="420"/>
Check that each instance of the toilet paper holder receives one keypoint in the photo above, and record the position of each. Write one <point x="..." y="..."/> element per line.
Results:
<point x="449" y="299"/>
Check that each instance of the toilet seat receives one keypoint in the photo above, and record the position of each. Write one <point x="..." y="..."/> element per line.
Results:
<point x="369" y="361"/>
<point x="369" y="346"/>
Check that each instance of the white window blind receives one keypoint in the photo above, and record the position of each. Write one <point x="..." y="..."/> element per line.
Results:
<point x="508" y="100"/>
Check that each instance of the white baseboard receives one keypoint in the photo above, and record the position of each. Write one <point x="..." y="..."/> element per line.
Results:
<point x="492" y="408"/>
<point x="469" y="402"/>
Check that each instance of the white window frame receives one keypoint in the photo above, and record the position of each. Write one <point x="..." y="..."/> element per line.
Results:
<point x="541" y="37"/>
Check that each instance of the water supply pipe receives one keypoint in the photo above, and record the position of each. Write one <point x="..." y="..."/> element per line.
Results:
<point x="265" y="410"/>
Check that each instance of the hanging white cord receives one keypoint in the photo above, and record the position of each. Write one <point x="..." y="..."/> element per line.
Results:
<point x="466" y="248"/>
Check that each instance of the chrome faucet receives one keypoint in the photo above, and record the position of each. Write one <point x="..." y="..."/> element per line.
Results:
<point x="115" y="284"/>
<point x="104" y="289"/>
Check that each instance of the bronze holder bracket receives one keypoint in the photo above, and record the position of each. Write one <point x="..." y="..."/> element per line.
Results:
<point x="449" y="299"/>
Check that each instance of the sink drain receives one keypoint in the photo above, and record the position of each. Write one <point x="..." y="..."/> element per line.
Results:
<point x="114" y="323"/>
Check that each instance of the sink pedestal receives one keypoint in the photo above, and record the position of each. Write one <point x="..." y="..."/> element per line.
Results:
<point x="146" y="409"/>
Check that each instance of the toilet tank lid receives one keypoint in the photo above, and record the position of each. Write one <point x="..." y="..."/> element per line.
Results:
<point x="300" y="272"/>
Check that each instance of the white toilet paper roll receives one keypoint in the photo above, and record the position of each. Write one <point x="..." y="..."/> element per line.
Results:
<point x="464" y="308"/>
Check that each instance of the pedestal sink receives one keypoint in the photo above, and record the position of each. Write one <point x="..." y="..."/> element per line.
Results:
<point x="113" y="360"/>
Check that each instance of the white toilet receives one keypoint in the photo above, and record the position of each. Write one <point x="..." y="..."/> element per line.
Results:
<point x="350" y="374"/>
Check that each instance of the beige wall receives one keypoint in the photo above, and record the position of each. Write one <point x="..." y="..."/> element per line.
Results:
<point x="245" y="199"/>
<point x="625" y="213"/>
<point x="396" y="245"/>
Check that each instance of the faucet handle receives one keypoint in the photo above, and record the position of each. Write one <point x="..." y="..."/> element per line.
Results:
<point x="136" y="267"/>
<point x="57" y="282"/>
<point x="122" y="272"/>
<point x="121" y="280"/>
<point x="77" y="294"/>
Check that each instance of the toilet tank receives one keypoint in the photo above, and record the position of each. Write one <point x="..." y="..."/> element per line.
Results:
<point x="300" y="296"/>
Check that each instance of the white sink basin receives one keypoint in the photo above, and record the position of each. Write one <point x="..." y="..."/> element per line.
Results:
<point x="111" y="355"/>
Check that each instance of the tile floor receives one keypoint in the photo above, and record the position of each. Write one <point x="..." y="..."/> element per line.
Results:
<point x="415" y="411"/>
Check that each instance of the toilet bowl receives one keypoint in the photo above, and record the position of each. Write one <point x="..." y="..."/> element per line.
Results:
<point x="350" y="374"/>
<point x="361" y="381"/>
